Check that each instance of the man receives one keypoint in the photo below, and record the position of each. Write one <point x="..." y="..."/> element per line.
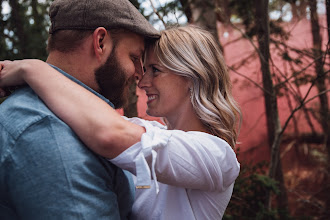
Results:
<point x="45" y="170"/>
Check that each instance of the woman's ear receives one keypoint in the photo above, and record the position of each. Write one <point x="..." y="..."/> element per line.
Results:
<point x="102" y="43"/>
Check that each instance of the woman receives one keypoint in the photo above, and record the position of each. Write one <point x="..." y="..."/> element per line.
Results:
<point x="183" y="171"/>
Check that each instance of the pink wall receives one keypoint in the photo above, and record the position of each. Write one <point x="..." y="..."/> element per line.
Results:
<point x="253" y="136"/>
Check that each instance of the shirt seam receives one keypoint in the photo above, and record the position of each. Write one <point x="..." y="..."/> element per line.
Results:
<point x="20" y="133"/>
<point x="50" y="118"/>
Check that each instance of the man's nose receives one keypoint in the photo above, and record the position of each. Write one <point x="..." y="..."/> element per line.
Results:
<point x="138" y="70"/>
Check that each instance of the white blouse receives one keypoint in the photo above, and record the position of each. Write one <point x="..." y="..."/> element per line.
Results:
<point x="179" y="175"/>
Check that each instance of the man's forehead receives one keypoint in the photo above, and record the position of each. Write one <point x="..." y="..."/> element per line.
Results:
<point x="140" y="51"/>
<point x="138" y="48"/>
<point x="134" y="41"/>
<point x="141" y="45"/>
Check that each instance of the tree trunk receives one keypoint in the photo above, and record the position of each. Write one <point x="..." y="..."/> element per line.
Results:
<point x="38" y="33"/>
<point x="131" y="109"/>
<point x="38" y="19"/>
<point x="327" y="5"/>
<point x="17" y="19"/>
<point x="294" y="11"/>
<point x="321" y="86"/>
<point x="202" y="13"/>
<point x="2" y="36"/>
<point x="298" y="11"/>
<point x="223" y="11"/>
<point x="187" y="10"/>
<point x="273" y="122"/>
<point x="302" y="8"/>
<point x="321" y="75"/>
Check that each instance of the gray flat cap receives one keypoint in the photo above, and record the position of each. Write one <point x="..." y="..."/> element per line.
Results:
<point x="91" y="14"/>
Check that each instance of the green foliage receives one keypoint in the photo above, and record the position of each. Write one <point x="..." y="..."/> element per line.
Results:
<point x="137" y="4"/>
<point x="303" y="79"/>
<point x="24" y="29"/>
<point x="170" y="8"/>
<point x="245" y="10"/>
<point x="249" y="196"/>
<point x="169" y="13"/>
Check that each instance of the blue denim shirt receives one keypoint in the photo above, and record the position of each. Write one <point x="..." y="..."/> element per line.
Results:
<point x="46" y="172"/>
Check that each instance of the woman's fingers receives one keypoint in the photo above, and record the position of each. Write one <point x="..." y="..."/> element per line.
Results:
<point x="10" y="76"/>
<point x="2" y="93"/>
<point x="1" y="78"/>
<point x="11" y="73"/>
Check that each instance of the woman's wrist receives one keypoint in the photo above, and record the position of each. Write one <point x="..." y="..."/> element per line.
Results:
<point x="28" y="69"/>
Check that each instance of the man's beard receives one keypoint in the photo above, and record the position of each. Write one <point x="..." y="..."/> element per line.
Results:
<point x="112" y="81"/>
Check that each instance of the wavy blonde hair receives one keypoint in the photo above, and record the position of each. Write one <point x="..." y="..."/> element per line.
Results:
<point x="193" y="53"/>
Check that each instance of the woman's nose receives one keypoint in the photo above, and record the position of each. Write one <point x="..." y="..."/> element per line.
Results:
<point x="145" y="81"/>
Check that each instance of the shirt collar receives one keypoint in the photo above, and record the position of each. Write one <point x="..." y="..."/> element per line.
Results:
<point x="83" y="85"/>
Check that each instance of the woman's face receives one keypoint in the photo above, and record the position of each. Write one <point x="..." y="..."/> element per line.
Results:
<point x="168" y="94"/>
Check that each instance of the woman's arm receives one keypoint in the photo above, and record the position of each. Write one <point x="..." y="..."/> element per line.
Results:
<point x="99" y="126"/>
<point x="192" y="160"/>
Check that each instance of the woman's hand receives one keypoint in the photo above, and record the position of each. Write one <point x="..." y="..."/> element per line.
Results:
<point x="11" y="72"/>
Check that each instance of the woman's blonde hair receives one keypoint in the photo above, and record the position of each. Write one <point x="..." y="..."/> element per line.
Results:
<point x="193" y="53"/>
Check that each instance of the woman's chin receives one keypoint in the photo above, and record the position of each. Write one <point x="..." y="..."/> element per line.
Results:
<point x="151" y="113"/>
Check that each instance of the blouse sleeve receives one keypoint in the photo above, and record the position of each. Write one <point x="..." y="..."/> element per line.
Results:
<point x="193" y="160"/>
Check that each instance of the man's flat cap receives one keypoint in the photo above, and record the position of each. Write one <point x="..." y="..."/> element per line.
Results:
<point x="91" y="14"/>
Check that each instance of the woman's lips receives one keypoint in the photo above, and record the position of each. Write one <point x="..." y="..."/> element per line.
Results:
<point x="151" y="98"/>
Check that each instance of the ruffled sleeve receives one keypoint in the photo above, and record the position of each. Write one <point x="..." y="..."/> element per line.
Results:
<point x="143" y="150"/>
<point x="194" y="160"/>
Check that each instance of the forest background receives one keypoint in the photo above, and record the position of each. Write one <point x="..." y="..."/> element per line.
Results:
<point x="277" y="52"/>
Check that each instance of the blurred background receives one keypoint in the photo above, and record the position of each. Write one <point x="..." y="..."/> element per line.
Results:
<point x="277" y="53"/>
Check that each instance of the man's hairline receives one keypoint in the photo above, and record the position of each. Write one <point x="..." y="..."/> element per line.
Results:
<point x="112" y="32"/>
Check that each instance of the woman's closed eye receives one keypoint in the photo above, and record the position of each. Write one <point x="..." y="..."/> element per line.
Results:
<point x="155" y="71"/>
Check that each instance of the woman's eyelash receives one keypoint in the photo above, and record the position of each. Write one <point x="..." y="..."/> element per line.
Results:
<point x="154" y="69"/>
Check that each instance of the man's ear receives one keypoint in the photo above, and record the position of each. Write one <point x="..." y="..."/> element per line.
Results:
<point x="102" y="43"/>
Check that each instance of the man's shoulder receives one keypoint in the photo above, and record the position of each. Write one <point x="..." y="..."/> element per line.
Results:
<point x="25" y="102"/>
<point x="22" y="109"/>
